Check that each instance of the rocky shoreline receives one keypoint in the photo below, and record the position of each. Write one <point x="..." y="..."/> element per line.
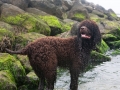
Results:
<point x="23" y="21"/>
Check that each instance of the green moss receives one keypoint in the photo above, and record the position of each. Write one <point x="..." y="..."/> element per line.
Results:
<point x="80" y="16"/>
<point x="23" y="39"/>
<point x="56" y="25"/>
<point x="113" y="15"/>
<point x="17" y="20"/>
<point x="51" y="21"/>
<point x="116" y="52"/>
<point x="7" y="81"/>
<point x="111" y="25"/>
<point x="98" y="57"/>
<point x="116" y="33"/>
<point x="114" y="44"/>
<point x="4" y="32"/>
<point x="103" y="47"/>
<point x="31" y="23"/>
<point x="95" y="19"/>
<point x="109" y="37"/>
<point x="19" y="40"/>
<point x="8" y="62"/>
<point x="32" y="81"/>
<point x="66" y="27"/>
<point x="25" y="62"/>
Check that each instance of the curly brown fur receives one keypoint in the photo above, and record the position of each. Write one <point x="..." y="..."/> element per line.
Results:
<point x="45" y="54"/>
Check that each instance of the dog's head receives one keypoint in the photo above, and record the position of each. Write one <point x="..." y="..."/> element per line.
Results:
<point x="89" y="32"/>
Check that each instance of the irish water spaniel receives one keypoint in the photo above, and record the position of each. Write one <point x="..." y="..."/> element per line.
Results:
<point x="46" y="54"/>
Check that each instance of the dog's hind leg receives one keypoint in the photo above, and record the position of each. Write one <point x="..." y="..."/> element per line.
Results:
<point x="41" y="83"/>
<point x="50" y="72"/>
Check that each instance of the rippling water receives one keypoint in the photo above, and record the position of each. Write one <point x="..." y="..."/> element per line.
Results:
<point x="105" y="76"/>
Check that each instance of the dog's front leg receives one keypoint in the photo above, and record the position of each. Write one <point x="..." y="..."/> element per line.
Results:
<point x="74" y="78"/>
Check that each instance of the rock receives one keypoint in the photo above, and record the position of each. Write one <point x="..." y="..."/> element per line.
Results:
<point x="36" y="11"/>
<point x="89" y="9"/>
<point x="47" y="7"/>
<point x="103" y="47"/>
<point x="70" y="21"/>
<point x="1" y="3"/>
<point x="8" y="62"/>
<point x="5" y="26"/>
<point x="100" y="9"/>
<point x="78" y="12"/>
<point x="115" y="52"/>
<point x="24" y="39"/>
<point x="111" y="15"/>
<point x="68" y="4"/>
<point x="29" y="23"/>
<point x="100" y="14"/>
<point x="74" y="29"/>
<point x="114" y="44"/>
<point x="55" y="24"/>
<point x="25" y="62"/>
<point x="110" y="25"/>
<point x="109" y="37"/>
<point x="98" y="57"/>
<point x="23" y="4"/>
<point x="6" y="37"/>
<point x="32" y="80"/>
<point x="10" y="10"/>
<point x="7" y="81"/>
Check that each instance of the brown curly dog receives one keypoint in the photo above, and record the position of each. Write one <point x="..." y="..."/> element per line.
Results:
<point x="46" y="54"/>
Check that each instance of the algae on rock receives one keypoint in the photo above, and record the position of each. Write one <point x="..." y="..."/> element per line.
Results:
<point x="7" y="81"/>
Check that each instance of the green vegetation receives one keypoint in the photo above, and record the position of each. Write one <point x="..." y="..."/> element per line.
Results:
<point x="116" y="52"/>
<point x="8" y="62"/>
<point x="7" y="81"/>
<point x="80" y="16"/>
<point x="109" y="37"/>
<point x="51" y="21"/>
<point x="98" y="57"/>
<point x="103" y="47"/>
<point x="31" y="23"/>
<point x="5" y="33"/>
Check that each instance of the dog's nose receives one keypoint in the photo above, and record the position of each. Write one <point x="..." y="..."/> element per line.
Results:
<point x="83" y="27"/>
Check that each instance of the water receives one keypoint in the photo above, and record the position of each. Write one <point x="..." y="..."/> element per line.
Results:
<point x="105" y="76"/>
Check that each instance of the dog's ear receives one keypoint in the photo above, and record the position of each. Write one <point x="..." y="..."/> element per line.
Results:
<point x="97" y="35"/>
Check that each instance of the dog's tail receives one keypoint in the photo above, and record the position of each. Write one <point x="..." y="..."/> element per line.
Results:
<point x="22" y="51"/>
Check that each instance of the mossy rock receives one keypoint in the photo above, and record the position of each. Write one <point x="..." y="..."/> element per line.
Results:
<point x="7" y="81"/>
<point x="79" y="16"/>
<point x="98" y="57"/>
<point x="55" y="24"/>
<point x="114" y="44"/>
<point x="31" y="81"/>
<point x="31" y="23"/>
<point x="95" y="18"/>
<point x="109" y="37"/>
<point x="8" y="62"/>
<point x="116" y="52"/>
<point x="113" y="15"/>
<point x="5" y="26"/>
<point x="6" y="39"/>
<point x="25" y="62"/>
<point x="23" y="39"/>
<point x="116" y="33"/>
<point x="110" y="25"/>
<point x="5" y="33"/>
<point x="103" y="47"/>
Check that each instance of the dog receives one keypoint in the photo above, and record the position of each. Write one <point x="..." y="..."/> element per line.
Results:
<point x="46" y="54"/>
